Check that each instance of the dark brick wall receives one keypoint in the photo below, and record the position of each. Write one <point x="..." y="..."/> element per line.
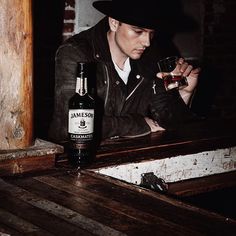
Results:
<point x="219" y="49"/>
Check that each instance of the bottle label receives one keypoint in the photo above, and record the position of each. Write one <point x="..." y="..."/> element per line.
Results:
<point x="81" y="123"/>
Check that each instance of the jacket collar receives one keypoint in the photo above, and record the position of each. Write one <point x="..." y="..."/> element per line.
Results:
<point x="99" y="41"/>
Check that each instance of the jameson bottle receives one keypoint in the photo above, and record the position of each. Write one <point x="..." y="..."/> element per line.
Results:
<point x="81" y="121"/>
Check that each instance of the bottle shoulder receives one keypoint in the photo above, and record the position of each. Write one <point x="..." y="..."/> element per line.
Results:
<point x="81" y="97"/>
<point x="81" y="102"/>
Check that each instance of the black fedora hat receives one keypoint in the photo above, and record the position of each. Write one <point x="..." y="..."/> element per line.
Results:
<point x="150" y="14"/>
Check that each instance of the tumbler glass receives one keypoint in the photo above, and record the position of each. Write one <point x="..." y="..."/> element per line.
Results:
<point x="172" y="76"/>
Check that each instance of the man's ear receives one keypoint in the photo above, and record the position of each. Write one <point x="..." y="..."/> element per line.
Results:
<point x="113" y="23"/>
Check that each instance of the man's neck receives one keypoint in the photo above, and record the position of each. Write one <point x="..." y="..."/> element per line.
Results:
<point x="117" y="55"/>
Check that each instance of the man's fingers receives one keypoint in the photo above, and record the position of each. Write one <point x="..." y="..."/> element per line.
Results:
<point x="187" y="71"/>
<point x="196" y="70"/>
<point x="194" y="73"/>
<point x="161" y="75"/>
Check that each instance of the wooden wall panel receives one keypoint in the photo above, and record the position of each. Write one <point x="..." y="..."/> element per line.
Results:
<point x="16" y="98"/>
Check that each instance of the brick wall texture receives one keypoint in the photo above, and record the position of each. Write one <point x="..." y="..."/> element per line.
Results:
<point x="69" y="19"/>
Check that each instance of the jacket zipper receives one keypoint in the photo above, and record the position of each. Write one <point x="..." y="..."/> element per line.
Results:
<point x="108" y="86"/>
<point x="135" y="88"/>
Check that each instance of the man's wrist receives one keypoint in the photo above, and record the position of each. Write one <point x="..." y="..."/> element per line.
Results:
<point x="186" y="96"/>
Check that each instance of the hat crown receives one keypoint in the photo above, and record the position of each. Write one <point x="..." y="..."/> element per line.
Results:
<point x="130" y="11"/>
<point x="147" y="14"/>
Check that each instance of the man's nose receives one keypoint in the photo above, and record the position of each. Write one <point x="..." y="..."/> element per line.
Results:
<point x="146" y="39"/>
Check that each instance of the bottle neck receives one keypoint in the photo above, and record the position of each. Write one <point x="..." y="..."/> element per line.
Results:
<point x="81" y="86"/>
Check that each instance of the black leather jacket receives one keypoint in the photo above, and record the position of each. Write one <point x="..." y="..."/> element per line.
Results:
<point x="121" y="107"/>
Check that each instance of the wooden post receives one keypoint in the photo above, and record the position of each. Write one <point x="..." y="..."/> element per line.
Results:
<point x="16" y="66"/>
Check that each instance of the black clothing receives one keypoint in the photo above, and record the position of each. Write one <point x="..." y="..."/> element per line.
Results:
<point x="121" y="107"/>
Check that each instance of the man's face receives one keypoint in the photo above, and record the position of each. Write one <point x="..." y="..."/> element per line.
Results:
<point x="132" y="40"/>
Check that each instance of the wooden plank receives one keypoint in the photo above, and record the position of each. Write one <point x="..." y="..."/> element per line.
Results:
<point x="37" y="157"/>
<point x="6" y="231"/>
<point x="176" y="168"/>
<point x="191" y="132"/>
<point x="67" y="210"/>
<point x="201" y="185"/>
<point x="27" y="164"/>
<point x="35" y="215"/>
<point x="120" y="208"/>
<point x="142" y="152"/>
<point x="158" y="149"/>
<point x="19" y="224"/>
<point x="102" y="205"/>
<point x="179" y="213"/>
<point x="16" y="69"/>
<point x="190" y="138"/>
<point x="88" y="212"/>
<point x="187" y="139"/>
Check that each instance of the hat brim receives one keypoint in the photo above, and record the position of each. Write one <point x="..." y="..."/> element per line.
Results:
<point x="182" y="22"/>
<point x="107" y="9"/>
<point x="103" y="6"/>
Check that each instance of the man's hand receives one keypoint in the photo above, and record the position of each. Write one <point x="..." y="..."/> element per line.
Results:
<point x="186" y="70"/>
<point x="191" y="75"/>
<point x="153" y="125"/>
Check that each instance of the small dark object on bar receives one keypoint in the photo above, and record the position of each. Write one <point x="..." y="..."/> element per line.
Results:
<point x="151" y="181"/>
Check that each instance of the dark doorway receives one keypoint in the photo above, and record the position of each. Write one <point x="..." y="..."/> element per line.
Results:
<point x="47" y="34"/>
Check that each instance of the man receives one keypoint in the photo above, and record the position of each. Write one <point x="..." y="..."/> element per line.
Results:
<point x="134" y="101"/>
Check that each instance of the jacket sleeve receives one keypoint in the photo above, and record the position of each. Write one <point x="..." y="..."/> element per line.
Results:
<point x="131" y="125"/>
<point x="65" y="73"/>
<point x="66" y="60"/>
<point x="169" y="109"/>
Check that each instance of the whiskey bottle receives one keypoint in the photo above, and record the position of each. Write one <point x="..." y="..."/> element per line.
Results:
<point x="81" y="121"/>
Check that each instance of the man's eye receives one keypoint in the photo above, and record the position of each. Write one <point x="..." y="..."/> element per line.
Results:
<point x="138" y="31"/>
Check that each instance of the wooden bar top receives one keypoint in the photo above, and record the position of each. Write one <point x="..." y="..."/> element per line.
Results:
<point x="202" y="149"/>
<point x="61" y="201"/>
<point x="187" y="139"/>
